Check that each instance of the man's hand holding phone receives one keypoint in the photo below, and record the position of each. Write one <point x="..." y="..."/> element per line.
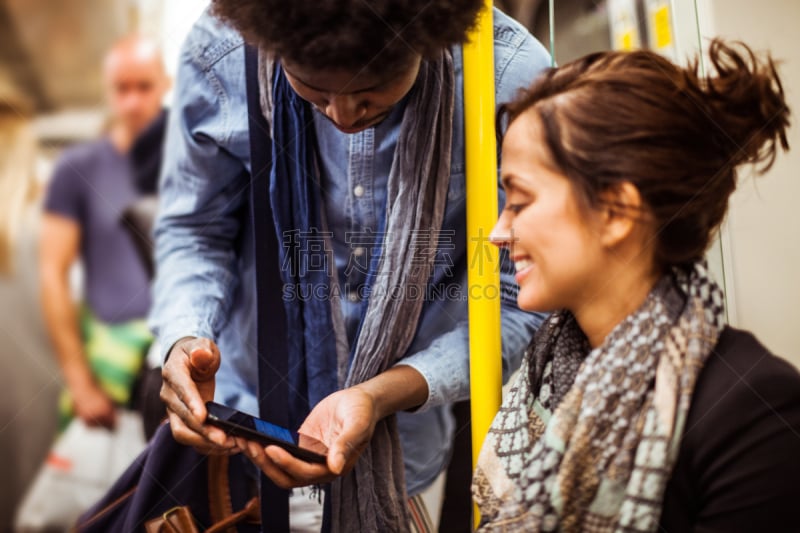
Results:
<point x="344" y="422"/>
<point x="188" y="384"/>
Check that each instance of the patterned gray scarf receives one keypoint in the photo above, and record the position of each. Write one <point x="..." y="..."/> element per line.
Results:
<point x="586" y="439"/>
<point x="372" y="496"/>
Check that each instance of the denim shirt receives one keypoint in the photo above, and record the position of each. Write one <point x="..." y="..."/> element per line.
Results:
<point x="205" y="284"/>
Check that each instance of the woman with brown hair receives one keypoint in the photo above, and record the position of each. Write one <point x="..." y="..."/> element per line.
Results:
<point x="636" y="407"/>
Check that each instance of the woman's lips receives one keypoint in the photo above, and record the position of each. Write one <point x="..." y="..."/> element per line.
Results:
<point x="523" y="267"/>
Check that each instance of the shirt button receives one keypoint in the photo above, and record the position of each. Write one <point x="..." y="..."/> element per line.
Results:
<point x="353" y="297"/>
<point x="358" y="190"/>
<point x="358" y="252"/>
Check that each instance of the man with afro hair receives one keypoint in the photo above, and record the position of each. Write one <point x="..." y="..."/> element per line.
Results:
<point x="363" y="108"/>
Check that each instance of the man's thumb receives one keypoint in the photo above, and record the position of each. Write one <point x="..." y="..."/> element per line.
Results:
<point x="204" y="363"/>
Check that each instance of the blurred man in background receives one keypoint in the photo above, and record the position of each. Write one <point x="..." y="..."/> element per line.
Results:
<point x="101" y="344"/>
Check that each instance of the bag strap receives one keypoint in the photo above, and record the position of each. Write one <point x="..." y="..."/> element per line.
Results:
<point x="175" y="520"/>
<point x="250" y="513"/>
<point x="273" y="364"/>
<point x="181" y="520"/>
<point x="220" y="506"/>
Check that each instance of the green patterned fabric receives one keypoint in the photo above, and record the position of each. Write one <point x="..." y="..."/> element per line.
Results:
<point x="116" y="353"/>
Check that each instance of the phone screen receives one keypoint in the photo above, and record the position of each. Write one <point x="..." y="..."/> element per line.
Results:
<point x="262" y="426"/>
<point x="299" y="445"/>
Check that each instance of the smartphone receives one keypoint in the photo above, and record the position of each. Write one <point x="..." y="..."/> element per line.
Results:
<point x="239" y="424"/>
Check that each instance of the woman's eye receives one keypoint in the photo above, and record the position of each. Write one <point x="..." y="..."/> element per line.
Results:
<point x="516" y="208"/>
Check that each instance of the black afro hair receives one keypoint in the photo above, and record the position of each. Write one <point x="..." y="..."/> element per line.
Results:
<point x="368" y="35"/>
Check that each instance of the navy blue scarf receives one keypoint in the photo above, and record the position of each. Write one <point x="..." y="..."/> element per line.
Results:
<point x="296" y="204"/>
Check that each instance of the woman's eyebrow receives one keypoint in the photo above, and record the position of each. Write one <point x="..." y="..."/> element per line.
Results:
<point x="507" y="180"/>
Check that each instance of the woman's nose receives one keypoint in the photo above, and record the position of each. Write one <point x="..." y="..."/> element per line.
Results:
<point x="500" y="235"/>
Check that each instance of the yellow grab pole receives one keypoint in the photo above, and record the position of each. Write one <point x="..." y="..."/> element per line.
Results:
<point x="483" y="277"/>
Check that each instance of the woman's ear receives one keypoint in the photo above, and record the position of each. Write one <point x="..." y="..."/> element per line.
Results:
<point x="620" y="210"/>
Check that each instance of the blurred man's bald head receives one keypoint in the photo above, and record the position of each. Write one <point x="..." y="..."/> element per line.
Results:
<point x="134" y="49"/>
<point x="136" y="81"/>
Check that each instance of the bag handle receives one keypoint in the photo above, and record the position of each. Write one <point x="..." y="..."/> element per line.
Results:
<point x="220" y="506"/>
<point x="180" y="520"/>
<point x="223" y="520"/>
<point x="176" y="520"/>
<point x="250" y="513"/>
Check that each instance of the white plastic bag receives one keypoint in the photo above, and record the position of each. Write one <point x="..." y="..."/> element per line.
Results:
<point x="80" y="468"/>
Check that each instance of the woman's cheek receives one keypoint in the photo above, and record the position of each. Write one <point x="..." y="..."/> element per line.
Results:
<point x="531" y="295"/>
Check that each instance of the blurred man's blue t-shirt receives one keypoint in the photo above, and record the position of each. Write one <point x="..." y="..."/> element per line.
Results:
<point x="93" y="184"/>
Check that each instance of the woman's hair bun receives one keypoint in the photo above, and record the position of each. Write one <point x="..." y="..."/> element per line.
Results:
<point x="746" y="104"/>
